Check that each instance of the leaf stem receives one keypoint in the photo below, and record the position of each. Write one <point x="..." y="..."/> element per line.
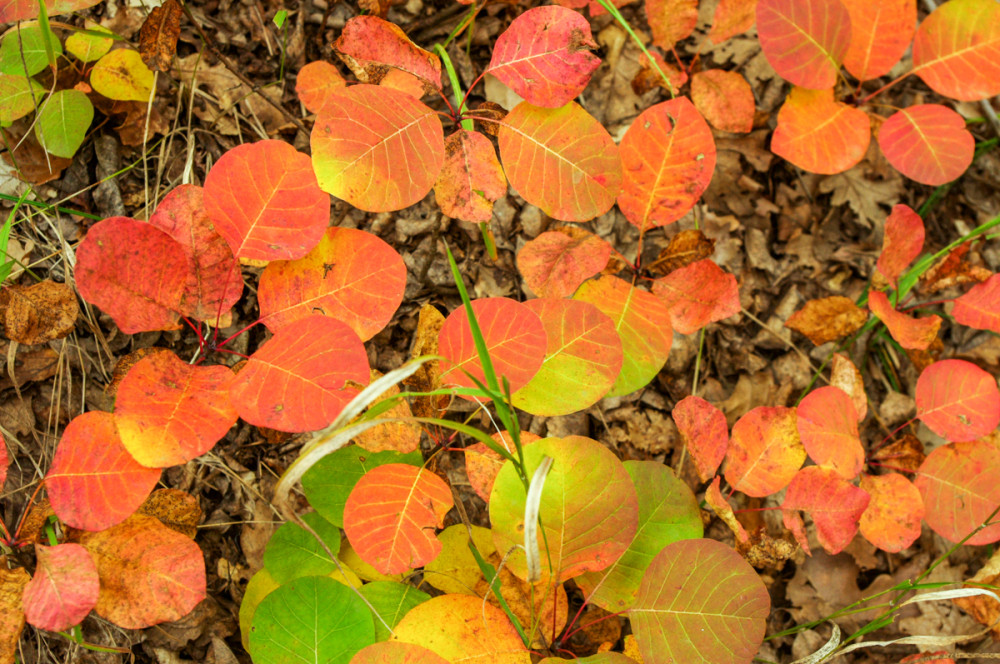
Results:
<point x="456" y="86"/>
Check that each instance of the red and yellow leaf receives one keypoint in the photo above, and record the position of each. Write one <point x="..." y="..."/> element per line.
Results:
<point x="927" y="143"/>
<point x="316" y="82"/>
<point x="834" y="504"/>
<point x="21" y="10"/>
<point x="892" y="520"/>
<point x="819" y="134"/>
<point x="980" y="307"/>
<point x="471" y="179"/>
<point x="911" y="333"/>
<point x="731" y="18"/>
<point x="957" y="49"/>
<point x="764" y="451"/>
<point x="725" y="99"/>
<point x="367" y="42"/>
<point x="391" y="515"/>
<point x="901" y="243"/>
<point x="698" y="294"/>
<point x="828" y="427"/>
<point x="671" y="20"/>
<point x="804" y="40"/>
<point x="544" y="56"/>
<point x="64" y="588"/>
<point x="880" y="34"/>
<point x="668" y="155"/>
<point x="957" y="400"/>
<point x="705" y="433"/>
<point x="555" y="263"/>
<point x="264" y="200"/>
<point x="561" y="159"/>
<point x="959" y="486"/>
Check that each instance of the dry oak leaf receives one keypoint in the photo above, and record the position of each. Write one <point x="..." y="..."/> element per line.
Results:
<point x="158" y="36"/>
<point x="40" y="312"/>
<point x="984" y="610"/>
<point x="827" y="319"/>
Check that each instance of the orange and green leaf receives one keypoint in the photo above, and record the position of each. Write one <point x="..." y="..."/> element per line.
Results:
<point x="956" y="50"/>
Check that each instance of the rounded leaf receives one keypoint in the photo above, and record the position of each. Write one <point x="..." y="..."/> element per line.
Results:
<point x="390" y="601"/>
<point x="828" y="427"/>
<point x="561" y="159"/>
<point x="764" y="451"/>
<point x="698" y="294"/>
<point x="961" y="474"/>
<point x="880" y="34"/>
<point x="705" y="433"/>
<point x="725" y="99"/>
<point x="64" y="588"/>
<point x="555" y="263"/>
<point x="377" y="148"/>
<point x="671" y="20"/>
<point x="804" y="40"/>
<point x="296" y="380"/>
<point x="482" y="464"/>
<point x="455" y="570"/>
<point x="471" y="179"/>
<point x="957" y="49"/>
<point x="87" y="46"/>
<point x="927" y="143"/>
<point x="834" y="504"/>
<point x="293" y="552"/>
<point x="699" y="603"/>
<point x="819" y="134"/>
<point x="315" y="82"/>
<point x="22" y="50"/>
<point x="20" y="94"/>
<point x="63" y="121"/>
<point x="731" y="18"/>
<point x="892" y="520"/>
<point x="957" y="400"/>
<point x="122" y="75"/>
<point x="980" y="307"/>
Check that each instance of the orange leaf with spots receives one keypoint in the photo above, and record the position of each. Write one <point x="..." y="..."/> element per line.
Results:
<point x="892" y="520"/>
<point x="911" y="333"/>
<point x="725" y="99"/>
<point x="555" y="263"/>
<point x="471" y="179"/>
<point x="764" y="451"/>
<point x="369" y="42"/>
<point x="671" y="20"/>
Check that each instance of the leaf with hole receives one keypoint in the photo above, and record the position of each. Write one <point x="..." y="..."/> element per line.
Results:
<point x="819" y="134"/>
<point x="911" y="333"/>
<point x="880" y="34"/>
<point x="698" y="294"/>
<point x="64" y="588"/>
<point x="892" y="520"/>
<point x="956" y="50"/>
<point x="828" y="428"/>
<point x="961" y="474"/>
<point x="804" y="40"/>
<point x="927" y="143"/>
<point x="901" y="243"/>
<point x="957" y="400"/>
<point x="764" y="452"/>
<point x="555" y="263"/>
<point x="471" y="179"/>
<point x="980" y="307"/>
<point x="704" y="431"/>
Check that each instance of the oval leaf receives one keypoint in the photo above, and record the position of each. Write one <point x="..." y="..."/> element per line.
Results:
<point x="63" y="121"/>
<point x="64" y="588"/>
<point x="316" y="82"/>
<point x="698" y="294"/>
<point x="880" y="34"/>
<point x="819" y="134"/>
<point x="705" y="433"/>
<point x="828" y="427"/>
<point x="20" y="94"/>
<point x="927" y="143"/>
<point x="980" y="307"/>
<point x="834" y="504"/>
<point x="122" y="75"/>
<point x="294" y="552"/>
<point x="804" y="40"/>
<point x="892" y="520"/>
<point x="961" y="474"/>
<point x="391" y="601"/>
<point x="725" y="99"/>
<point x="671" y="20"/>
<point x="482" y="464"/>
<point x="764" y="451"/>
<point x="22" y="50"/>
<point x="957" y="400"/>
<point x="957" y="49"/>
<point x="902" y="242"/>
<point x="555" y="263"/>
<point x="396" y="652"/>
<point x="471" y="179"/>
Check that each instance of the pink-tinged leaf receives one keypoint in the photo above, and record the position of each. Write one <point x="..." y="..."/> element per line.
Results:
<point x="700" y="603"/>
<point x="725" y="99"/>
<point x="698" y="294"/>
<point x="980" y="307"/>
<point x="959" y="486"/>
<point x="764" y="451"/>
<point x="377" y="148"/>
<point x="370" y="40"/>
<point x="957" y="49"/>
<point x="804" y="40"/>
<point x="544" y="56"/>
<point x="911" y="333"/>
<point x="892" y="520"/>
<point x="263" y="199"/>
<point x="819" y="134"/>
<point x="703" y="429"/>
<point x="94" y="483"/>
<point x="957" y="400"/>
<point x="834" y="504"/>
<point x="471" y="179"/>
<point x="351" y="275"/>
<point x="515" y="340"/>
<point x="133" y="272"/>
<point x="731" y="18"/>
<point x="880" y="34"/>
<point x="296" y="380"/>
<point x="555" y="263"/>
<point x="214" y="284"/>
<point x="901" y="243"/>
<point x="828" y="427"/>
<point x="671" y="20"/>
<point x="643" y="323"/>
<point x="391" y="515"/>
<point x="22" y="10"/>
<point x="927" y="143"/>
<point x="169" y="412"/>
<point x="4" y="462"/>
<point x="845" y="375"/>
<point x="64" y="588"/>
<point x="583" y="358"/>
<point x="562" y="160"/>
<point x="723" y="510"/>
<point x="482" y="464"/>
<point x="668" y="155"/>
<point x="316" y="82"/>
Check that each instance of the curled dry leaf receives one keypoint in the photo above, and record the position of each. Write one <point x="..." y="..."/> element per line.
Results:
<point x="12" y="583"/>
<point x="688" y="246"/>
<point x="369" y="44"/>
<point x="40" y="312"/>
<point x="827" y="319"/>
<point x="845" y="375"/>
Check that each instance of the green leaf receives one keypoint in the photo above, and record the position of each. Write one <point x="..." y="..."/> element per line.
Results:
<point x="88" y="45"/>
<point x="293" y="552"/>
<point x="18" y="96"/>
<point x="392" y="601"/>
<point x="29" y="38"/>
<point x="63" y="122"/>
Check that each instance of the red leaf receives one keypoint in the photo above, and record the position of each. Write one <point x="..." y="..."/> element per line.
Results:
<point x="94" y="482"/>
<point x="911" y="333"/>
<point x="880" y="34"/>
<point x="671" y="20"/>
<point x="134" y="272"/>
<point x="927" y="143"/>
<point x="214" y="284"/>
<point x="372" y="40"/>
<point x="668" y="155"/>
<point x="731" y="18"/>
<point x="264" y="200"/>
<point x="64" y="588"/>
<point x="21" y="10"/>
<point x="725" y="99"/>
<point x="515" y="339"/>
<point x="316" y="83"/>
<point x="705" y="433"/>
<point x="351" y="275"/>
<point x="957" y="49"/>
<point x="377" y="148"/>
<point x="555" y="263"/>
<point x="391" y="515"/>
<point x="901" y="244"/>
<point x="959" y="485"/>
<point x="834" y="504"/>
<point x="819" y="134"/>
<point x="892" y="520"/>
<point x="957" y="400"/>
<point x="544" y="56"/>
<point x="296" y="381"/>
<point x="764" y="451"/>
<point x="828" y="427"/>
<point x="169" y="412"/>
<point x="698" y="294"/>
<point x="804" y="40"/>
<point x="471" y="179"/>
<point x="980" y="307"/>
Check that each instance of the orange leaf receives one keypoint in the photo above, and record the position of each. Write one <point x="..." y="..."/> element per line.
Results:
<point x="957" y="49"/>
<point x="892" y="520"/>
<point x="296" y="380"/>
<point x="927" y="143"/>
<point x="169" y="412"/>
<point x="834" y="504"/>
<point x="902" y="242"/>
<point x="828" y="427"/>
<point x="725" y="99"/>
<point x="134" y="272"/>
<point x="369" y="42"/>
<point x="94" y="483"/>
<point x="471" y="179"/>
<point x="316" y="83"/>
<point x="880" y="34"/>
<point x="12" y="583"/>
<point x="764" y="451"/>
<point x="804" y="40"/>
<point x="980" y="307"/>
<point x="731" y="18"/>
<point x="396" y="652"/>
<point x="263" y="199"/>
<point x="698" y="294"/>
<point x="704" y="431"/>
<point x="671" y="20"/>
<point x="819" y="134"/>
<point x="668" y="154"/>
<point x="555" y="263"/>
<point x="544" y="56"/>
<point x="391" y="515"/>
<point x="962" y="475"/>
<point x="957" y="400"/>
<point x="64" y="588"/>
<point x="910" y="333"/>
<point x="828" y="319"/>
<point x="351" y="275"/>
